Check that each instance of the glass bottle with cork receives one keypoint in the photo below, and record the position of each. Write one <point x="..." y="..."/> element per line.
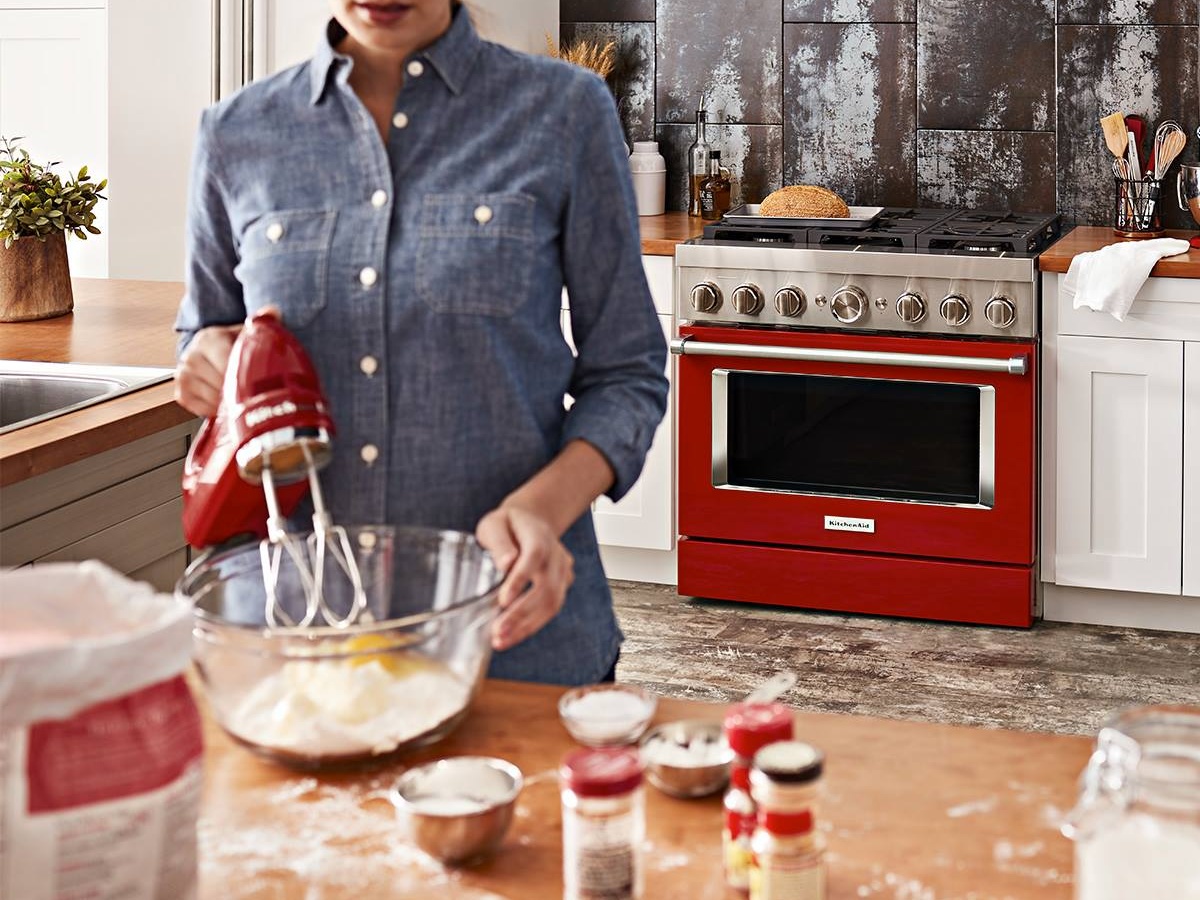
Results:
<point x="748" y="728"/>
<point x="698" y="162"/>
<point x="788" y="860"/>
<point x="715" y="189"/>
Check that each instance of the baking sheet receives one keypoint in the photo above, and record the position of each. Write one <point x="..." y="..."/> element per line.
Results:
<point x="747" y="214"/>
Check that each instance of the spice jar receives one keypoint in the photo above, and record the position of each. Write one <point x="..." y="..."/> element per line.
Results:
<point x="789" y="852"/>
<point x="748" y="728"/>
<point x="1136" y="826"/>
<point x="603" y="810"/>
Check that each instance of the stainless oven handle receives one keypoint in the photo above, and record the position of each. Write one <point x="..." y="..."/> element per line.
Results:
<point x="1014" y="365"/>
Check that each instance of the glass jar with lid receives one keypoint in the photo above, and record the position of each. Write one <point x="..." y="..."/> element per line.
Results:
<point x="603" y="809"/>
<point x="1136" y="826"/>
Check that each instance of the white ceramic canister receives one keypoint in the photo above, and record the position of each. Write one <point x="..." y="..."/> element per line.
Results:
<point x="649" y="170"/>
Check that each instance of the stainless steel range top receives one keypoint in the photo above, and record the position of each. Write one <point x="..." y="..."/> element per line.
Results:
<point x="916" y="272"/>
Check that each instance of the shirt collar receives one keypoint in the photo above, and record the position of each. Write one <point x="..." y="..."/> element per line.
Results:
<point x="452" y="55"/>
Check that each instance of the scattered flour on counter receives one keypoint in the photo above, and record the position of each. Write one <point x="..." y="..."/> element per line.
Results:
<point x="333" y="708"/>
<point x="973" y="807"/>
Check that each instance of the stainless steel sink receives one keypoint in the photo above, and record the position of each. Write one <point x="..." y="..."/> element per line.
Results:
<point x="34" y="391"/>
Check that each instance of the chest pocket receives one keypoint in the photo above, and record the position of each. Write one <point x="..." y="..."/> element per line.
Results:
<point x="285" y="262"/>
<point x="475" y="252"/>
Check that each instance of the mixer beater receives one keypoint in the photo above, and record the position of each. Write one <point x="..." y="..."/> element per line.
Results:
<point x="252" y="464"/>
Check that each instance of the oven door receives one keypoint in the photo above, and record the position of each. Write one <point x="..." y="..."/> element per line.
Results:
<point x="888" y="445"/>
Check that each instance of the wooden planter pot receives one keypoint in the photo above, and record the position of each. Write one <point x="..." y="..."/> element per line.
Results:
<point x="35" y="280"/>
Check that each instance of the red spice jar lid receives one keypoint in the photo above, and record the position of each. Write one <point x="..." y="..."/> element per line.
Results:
<point x="602" y="771"/>
<point x="751" y="726"/>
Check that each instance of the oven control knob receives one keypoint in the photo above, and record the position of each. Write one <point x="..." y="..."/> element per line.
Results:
<point x="706" y="297"/>
<point x="956" y="310"/>
<point x="747" y="300"/>
<point x="849" y="304"/>
<point x="789" y="302"/>
<point x="910" y="307"/>
<point x="1000" y="311"/>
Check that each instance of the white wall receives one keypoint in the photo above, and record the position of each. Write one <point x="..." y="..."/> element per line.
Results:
<point x="521" y="24"/>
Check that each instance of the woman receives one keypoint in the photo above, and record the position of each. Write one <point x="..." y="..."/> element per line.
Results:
<point x="413" y="199"/>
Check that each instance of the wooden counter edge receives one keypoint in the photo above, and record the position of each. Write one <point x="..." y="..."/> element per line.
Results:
<point x="46" y="446"/>
<point x="1085" y="239"/>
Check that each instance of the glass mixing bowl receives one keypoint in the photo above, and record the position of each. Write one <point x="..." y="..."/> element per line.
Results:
<point x="321" y="697"/>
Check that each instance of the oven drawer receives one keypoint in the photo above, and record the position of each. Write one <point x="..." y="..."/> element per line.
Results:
<point x="877" y="445"/>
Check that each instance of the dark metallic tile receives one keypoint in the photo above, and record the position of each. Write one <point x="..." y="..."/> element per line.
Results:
<point x="724" y="52"/>
<point x="854" y="131"/>
<point x="985" y="66"/>
<point x="1128" y="12"/>
<point x="632" y="81"/>
<point x="1149" y="70"/>
<point x="850" y="10"/>
<point x="753" y="154"/>
<point x="606" y="10"/>
<point x="1006" y="170"/>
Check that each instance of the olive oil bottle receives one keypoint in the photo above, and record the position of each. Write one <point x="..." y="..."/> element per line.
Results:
<point x="698" y="162"/>
<point x="714" y="189"/>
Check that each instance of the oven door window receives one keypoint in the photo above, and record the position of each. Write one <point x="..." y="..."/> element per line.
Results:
<point x="924" y="442"/>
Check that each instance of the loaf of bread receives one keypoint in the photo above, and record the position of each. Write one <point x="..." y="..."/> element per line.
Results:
<point x="804" y="201"/>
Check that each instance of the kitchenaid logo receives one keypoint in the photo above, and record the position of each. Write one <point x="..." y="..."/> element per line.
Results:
<point x="840" y="523"/>
<point x="262" y="413"/>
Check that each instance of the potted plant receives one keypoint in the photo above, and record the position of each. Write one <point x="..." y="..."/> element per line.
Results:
<point x="37" y="211"/>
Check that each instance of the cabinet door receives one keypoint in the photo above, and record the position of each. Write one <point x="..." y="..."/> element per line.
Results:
<point x="1120" y="464"/>
<point x="53" y="94"/>
<point x="645" y="517"/>
<point x="1191" y="469"/>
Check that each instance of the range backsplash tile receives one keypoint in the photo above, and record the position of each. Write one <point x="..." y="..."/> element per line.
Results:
<point x="632" y="81"/>
<point x="997" y="89"/>
<point x="850" y="10"/>
<point x="967" y="81"/>
<point x="1003" y="170"/>
<point x="606" y="10"/>
<point x="1128" y="12"/>
<point x="752" y="153"/>
<point x="853" y="132"/>
<point x="1150" y="70"/>
<point x="725" y="50"/>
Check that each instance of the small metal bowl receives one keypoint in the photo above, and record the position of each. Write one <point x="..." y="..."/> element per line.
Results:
<point x="458" y="809"/>
<point x="687" y="759"/>
<point x="606" y="715"/>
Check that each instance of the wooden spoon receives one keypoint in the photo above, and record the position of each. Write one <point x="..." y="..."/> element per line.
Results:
<point x="1116" y="137"/>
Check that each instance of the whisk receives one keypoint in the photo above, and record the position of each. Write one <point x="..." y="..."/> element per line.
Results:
<point x="1169" y="141"/>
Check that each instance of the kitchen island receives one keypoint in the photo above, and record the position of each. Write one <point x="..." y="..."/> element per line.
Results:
<point x="910" y="810"/>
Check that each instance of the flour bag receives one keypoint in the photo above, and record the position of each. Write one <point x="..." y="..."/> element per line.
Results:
<point x="100" y="740"/>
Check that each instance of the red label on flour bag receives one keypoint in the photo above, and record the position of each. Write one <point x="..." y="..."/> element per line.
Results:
<point x="138" y="743"/>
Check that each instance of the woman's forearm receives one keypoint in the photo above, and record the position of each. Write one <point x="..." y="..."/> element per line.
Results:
<point x="564" y="489"/>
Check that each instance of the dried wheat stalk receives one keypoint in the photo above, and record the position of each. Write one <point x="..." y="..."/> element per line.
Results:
<point x="589" y="54"/>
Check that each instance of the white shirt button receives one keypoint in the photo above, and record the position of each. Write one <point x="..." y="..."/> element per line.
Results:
<point x="369" y="365"/>
<point x="378" y="199"/>
<point x="416" y="69"/>
<point x="368" y="277"/>
<point x="400" y="120"/>
<point x="369" y="453"/>
<point x="483" y="214"/>
<point x="274" y="232"/>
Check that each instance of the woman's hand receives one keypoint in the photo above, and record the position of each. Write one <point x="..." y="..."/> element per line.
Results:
<point x="540" y="570"/>
<point x="201" y="369"/>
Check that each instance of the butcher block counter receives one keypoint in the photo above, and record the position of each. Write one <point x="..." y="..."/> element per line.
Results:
<point x="909" y="809"/>
<point x="1086" y="239"/>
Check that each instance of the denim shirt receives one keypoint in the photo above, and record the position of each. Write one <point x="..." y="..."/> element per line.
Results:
<point x="424" y="276"/>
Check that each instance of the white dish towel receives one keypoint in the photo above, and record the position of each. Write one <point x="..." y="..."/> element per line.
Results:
<point x="1108" y="279"/>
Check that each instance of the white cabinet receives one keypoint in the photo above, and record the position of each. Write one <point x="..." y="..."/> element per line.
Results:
<point x="1191" y="469"/>
<point x="645" y="517"/>
<point x="1120" y="464"/>
<point x="52" y="95"/>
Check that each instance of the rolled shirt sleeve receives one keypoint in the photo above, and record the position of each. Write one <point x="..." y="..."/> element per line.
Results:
<point x="213" y="295"/>
<point x="618" y="385"/>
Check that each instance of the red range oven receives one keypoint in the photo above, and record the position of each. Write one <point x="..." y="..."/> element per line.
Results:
<point x="858" y="424"/>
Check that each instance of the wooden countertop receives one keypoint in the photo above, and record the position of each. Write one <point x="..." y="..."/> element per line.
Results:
<point x="910" y="810"/>
<point x="660" y="234"/>
<point x="1087" y="238"/>
<point x="114" y="323"/>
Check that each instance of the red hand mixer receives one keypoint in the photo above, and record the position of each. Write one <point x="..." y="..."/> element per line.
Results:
<point x="253" y="462"/>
